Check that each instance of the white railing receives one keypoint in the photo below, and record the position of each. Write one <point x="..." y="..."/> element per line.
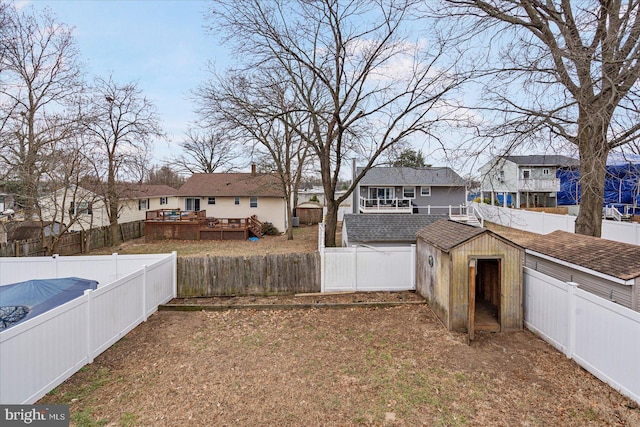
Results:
<point x="366" y="268"/>
<point x="40" y="353"/>
<point x="385" y="205"/>
<point x="534" y="184"/>
<point x="544" y="223"/>
<point x="611" y="212"/>
<point x="601" y="336"/>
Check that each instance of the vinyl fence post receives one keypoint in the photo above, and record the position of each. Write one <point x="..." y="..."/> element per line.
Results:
<point x="413" y="267"/>
<point x="174" y="261"/>
<point x="89" y="295"/>
<point x="355" y="269"/>
<point x="144" y="293"/>
<point x="55" y="265"/>
<point x="114" y="256"/>
<point x="571" y="327"/>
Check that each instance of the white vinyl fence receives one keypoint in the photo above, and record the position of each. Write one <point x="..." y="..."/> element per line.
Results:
<point x="544" y="223"/>
<point x="366" y="268"/>
<point x="601" y="336"/>
<point x="40" y="353"/>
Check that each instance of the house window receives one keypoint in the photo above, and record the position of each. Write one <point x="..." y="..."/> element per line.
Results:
<point x="501" y="176"/>
<point x="164" y="200"/>
<point x="425" y="191"/>
<point x="211" y="200"/>
<point x="192" y="204"/>
<point x="526" y="173"/>
<point x="382" y="193"/>
<point x="143" y="204"/>
<point x="408" y="192"/>
<point x="545" y="171"/>
<point x="80" y="208"/>
<point x="253" y="202"/>
<point x="236" y="201"/>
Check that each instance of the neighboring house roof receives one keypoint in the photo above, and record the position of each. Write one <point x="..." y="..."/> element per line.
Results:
<point x="232" y="184"/>
<point x="543" y="160"/>
<point x="386" y="227"/>
<point x="616" y="259"/>
<point x="434" y="176"/>
<point x="447" y="234"/>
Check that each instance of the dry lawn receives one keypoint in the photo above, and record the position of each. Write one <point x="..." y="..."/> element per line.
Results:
<point x="305" y="239"/>
<point x="357" y="366"/>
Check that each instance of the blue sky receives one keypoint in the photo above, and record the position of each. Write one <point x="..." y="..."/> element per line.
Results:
<point x="162" y="45"/>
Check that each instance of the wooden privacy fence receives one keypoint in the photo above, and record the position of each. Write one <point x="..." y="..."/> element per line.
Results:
<point x="259" y="274"/>
<point x="73" y="243"/>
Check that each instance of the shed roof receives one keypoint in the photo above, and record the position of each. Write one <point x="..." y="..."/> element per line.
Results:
<point x="616" y="259"/>
<point x="446" y="234"/>
<point x="386" y="227"/>
<point x="436" y="176"/>
<point x="232" y="184"/>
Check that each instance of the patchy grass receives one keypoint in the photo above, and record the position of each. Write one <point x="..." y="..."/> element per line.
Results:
<point x="358" y="366"/>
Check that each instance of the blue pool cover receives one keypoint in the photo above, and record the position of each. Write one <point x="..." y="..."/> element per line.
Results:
<point x="25" y="300"/>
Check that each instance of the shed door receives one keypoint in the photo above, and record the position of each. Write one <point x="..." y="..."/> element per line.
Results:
<point x="485" y="283"/>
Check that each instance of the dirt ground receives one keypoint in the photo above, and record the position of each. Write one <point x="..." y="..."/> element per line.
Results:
<point x="394" y="366"/>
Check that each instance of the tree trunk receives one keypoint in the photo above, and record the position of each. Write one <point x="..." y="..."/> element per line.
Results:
<point x="593" y="150"/>
<point x="331" y="224"/>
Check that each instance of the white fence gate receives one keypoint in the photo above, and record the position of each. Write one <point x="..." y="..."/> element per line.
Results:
<point x="40" y="353"/>
<point x="601" y="336"/>
<point x="366" y="268"/>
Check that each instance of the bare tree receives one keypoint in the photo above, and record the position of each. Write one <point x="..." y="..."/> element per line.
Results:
<point x="122" y="124"/>
<point x="205" y="151"/>
<point x="41" y="75"/>
<point x="575" y="66"/>
<point x="165" y="175"/>
<point x="256" y="108"/>
<point x="362" y="81"/>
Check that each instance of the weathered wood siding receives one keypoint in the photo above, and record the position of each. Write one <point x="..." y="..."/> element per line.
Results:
<point x="432" y="282"/>
<point x="512" y="260"/>
<point x="220" y="276"/>
<point x="607" y="289"/>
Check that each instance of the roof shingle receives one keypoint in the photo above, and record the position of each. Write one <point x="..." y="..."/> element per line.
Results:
<point x="447" y="234"/>
<point x="616" y="259"/>
<point x="434" y="176"/>
<point x="368" y="228"/>
<point x="232" y="184"/>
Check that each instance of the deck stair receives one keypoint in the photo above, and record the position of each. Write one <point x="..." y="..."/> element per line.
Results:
<point x="466" y="219"/>
<point x="255" y="226"/>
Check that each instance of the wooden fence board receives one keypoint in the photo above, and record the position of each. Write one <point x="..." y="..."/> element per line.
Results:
<point x="224" y="276"/>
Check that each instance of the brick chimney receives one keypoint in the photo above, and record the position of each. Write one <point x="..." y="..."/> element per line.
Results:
<point x="253" y="169"/>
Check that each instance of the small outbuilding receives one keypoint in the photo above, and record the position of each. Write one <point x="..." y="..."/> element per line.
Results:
<point x="471" y="277"/>
<point x="603" y="267"/>
<point x="382" y="230"/>
<point x="309" y="213"/>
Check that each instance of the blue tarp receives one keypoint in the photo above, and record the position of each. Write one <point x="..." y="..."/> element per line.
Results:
<point x="39" y="296"/>
<point x="621" y="185"/>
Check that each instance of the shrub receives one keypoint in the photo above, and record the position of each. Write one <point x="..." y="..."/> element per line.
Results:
<point x="269" y="229"/>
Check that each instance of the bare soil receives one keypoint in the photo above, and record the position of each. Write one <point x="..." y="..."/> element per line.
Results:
<point x="395" y="366"/>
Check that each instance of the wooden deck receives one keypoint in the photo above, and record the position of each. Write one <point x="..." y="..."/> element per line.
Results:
<point x="167" y="224"/>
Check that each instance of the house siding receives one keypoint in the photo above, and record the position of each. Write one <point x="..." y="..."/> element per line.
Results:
<point x="621" y="294"/>
<point x="270" y="209"/>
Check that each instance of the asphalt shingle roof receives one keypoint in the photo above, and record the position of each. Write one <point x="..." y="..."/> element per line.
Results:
<point x="438" y="176"/>
<point x="386" y="227"/>
<point x="232" y="184"/>
<point x="543" y="160"/>
<point x="616" y="259"/>
<point x="447" y="234"/>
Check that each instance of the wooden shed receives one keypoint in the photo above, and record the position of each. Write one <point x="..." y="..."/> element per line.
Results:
<point x="470" y="276"/>
<point x="309" y="213"/>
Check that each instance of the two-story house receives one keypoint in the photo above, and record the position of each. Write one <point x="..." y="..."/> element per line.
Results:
<point x="524" y="181"/>
<point x="236" y="195"/>
<point x="429" y="190"/>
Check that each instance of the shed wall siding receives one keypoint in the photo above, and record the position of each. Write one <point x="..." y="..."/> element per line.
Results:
<point x="512" y="258"/>
<point x="599" y="286"/>
<point x="432" y="283"/>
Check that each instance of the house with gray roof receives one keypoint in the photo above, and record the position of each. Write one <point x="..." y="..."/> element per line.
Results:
<point x="429" y="190"/>
<point x="384" y="229"/>
<point x="524" y="181"/>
